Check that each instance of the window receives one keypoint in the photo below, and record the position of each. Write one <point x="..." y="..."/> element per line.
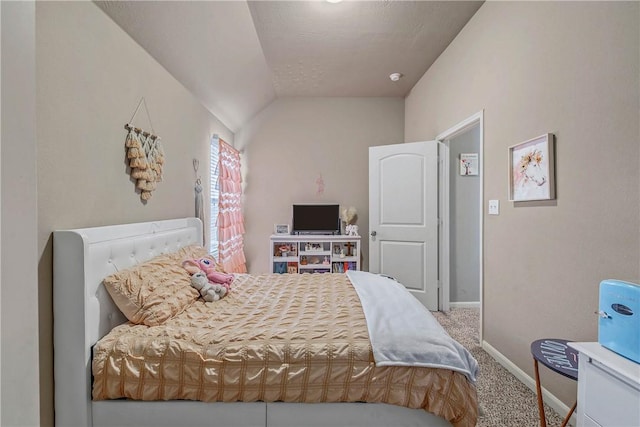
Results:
<point x="214" y="168"/>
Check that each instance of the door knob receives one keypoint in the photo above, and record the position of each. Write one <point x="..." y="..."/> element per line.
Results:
<point x="373" y="233"/>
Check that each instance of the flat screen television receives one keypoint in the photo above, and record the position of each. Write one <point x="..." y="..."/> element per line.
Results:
<point x="316" y="219"/>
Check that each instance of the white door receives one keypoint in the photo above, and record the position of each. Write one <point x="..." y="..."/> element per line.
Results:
<point x="403" y="216"/>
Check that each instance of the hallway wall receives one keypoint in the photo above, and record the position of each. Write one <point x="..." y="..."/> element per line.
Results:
<point x="464" y="227"/>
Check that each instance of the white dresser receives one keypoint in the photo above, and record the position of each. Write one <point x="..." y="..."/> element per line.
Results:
<point x="608" y="388"/>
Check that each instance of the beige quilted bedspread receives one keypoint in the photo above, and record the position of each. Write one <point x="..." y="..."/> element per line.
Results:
<point x="289" y="337"/>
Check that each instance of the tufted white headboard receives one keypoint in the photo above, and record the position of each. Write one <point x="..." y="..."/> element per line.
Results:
<point x="83" y="311"/>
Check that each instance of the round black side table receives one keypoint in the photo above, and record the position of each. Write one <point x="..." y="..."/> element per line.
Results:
<point x="555" y="354"/>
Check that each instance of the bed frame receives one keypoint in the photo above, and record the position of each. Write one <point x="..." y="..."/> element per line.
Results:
<point x="84" y="312"/>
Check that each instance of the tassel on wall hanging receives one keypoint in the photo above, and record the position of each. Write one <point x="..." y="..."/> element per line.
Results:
<point x="144" y="155"/>
<point x="198" y="192"/>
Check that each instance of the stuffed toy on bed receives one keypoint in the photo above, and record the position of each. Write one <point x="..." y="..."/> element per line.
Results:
<point x="207" y="266"/>
<point x="209" y="292"/>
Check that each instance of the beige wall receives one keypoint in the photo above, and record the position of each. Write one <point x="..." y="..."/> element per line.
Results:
<point x="20" y="295"/>
<point x="90" y="78"/>
<point x="571" y="69"/>
<point x="567" y="68"/>
<point x="292" y="142"/>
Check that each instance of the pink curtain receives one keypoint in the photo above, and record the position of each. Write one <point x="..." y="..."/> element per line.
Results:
<point x="230" y="218"/>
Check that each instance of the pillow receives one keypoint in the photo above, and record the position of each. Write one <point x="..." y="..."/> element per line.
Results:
<point x="193" y="251"/>
<point x="157" y="290"/>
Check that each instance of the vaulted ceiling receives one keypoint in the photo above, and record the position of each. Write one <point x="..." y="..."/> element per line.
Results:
<point x="236" y="57"/>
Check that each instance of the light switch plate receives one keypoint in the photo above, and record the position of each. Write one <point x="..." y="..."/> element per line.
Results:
<point x="494" y="207"/>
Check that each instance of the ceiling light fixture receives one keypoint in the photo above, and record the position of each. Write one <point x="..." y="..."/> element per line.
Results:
<point x="334" y="1"/>
<point x="395" y="77"/>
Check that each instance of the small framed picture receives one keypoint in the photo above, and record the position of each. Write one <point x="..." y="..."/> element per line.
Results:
<point x="468" y="164"/>
<point x="531" y="170"/>
<point x="281" y="228"/>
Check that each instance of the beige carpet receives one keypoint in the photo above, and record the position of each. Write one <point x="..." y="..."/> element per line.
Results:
<point x="504" y="400"/>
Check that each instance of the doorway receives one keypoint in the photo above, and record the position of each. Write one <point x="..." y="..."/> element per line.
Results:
<point x="464" y="215"/>
<point x="461" y="210"/>
<point x="433" y="280"/>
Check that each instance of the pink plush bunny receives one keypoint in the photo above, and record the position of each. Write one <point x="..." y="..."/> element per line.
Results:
<point x="207" y="266"/>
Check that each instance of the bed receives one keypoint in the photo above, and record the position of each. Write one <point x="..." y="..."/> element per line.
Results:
<point x="86" y="320"/>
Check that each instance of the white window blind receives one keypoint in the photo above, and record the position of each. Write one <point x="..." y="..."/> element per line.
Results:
<point x="214" y="169"/>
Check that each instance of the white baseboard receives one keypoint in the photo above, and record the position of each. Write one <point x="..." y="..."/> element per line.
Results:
<point x="524" y="378"/>
<point x="468" y="304"/>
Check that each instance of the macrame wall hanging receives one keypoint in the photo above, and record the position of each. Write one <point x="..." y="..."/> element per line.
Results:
<point x="145" y="155"/>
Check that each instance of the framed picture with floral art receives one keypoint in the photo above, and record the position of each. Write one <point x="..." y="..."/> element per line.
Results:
<point x="531" y="170"/>
<point x="468" y="164"/>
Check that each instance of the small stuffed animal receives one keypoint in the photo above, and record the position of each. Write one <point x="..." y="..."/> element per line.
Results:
<point x="207" y="266"/>
<point x="209" y="292"/>
<point x="351" y="230"/>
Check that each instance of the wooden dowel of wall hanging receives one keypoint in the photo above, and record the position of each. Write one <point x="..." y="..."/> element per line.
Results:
<point x="127" y="126"/>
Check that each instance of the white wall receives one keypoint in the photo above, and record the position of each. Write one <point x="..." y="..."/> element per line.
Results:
<point x="571" y="69"/>
<point x="20" y="293"/>
<point x="293" y="142"/>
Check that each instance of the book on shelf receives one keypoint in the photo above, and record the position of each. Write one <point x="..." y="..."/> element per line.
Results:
<point x="280" y="267"/>
<point x="292" y="267"/>
<point x="342" y="267"/>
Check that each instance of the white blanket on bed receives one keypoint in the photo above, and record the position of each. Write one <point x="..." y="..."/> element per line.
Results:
<point x="403" y="332"/>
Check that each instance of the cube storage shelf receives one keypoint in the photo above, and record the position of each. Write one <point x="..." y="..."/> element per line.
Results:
<point x="314" y="253"/>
